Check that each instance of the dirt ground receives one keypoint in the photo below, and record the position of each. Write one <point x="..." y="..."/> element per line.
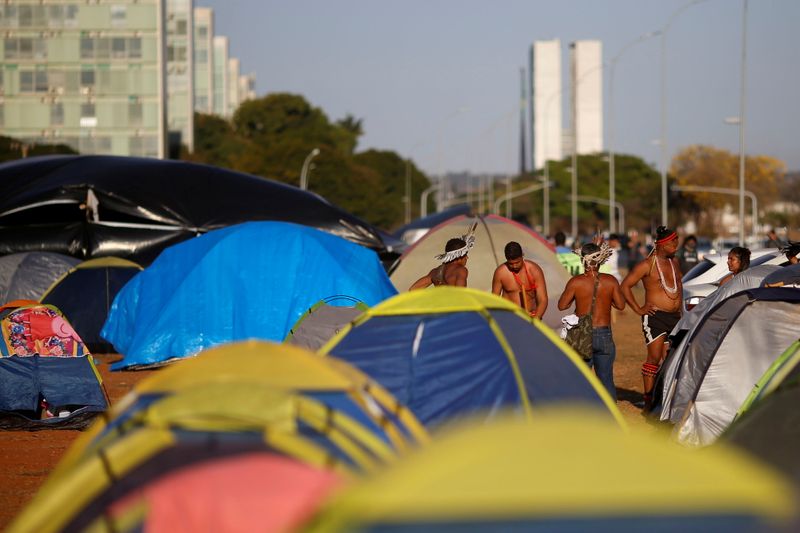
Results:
<point x="26" y="458"/>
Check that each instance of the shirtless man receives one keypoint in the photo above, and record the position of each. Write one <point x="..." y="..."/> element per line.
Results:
<point x="452" y="272"/>
<point x="581" y="289"/>
<point x="660" y="274"/>
<point x="521" y="281"/>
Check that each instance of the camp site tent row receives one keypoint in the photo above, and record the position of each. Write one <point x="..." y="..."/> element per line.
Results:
<point x="449" y="352"/>
<point x="253" y="280"/>
<point x="768" y="423"/>
<point x="238" y="401"/>
<point x="725" y="355"/>
<point x="568" y="472"/>
<point x="45" y="366"/>
<point x="89" y="206"/>
<point x="491" y="236"/>
<point x="28" y="275"/>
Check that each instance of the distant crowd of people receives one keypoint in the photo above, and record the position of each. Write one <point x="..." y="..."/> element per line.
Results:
<point x="596" y="286"/>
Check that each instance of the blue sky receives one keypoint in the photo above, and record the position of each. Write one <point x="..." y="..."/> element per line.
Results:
<point x="438" y="80"/>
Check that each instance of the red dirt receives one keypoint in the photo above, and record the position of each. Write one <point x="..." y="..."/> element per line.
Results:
<point x="27" y="458"/>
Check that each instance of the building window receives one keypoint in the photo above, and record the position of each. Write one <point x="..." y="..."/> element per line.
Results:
<point x="57" y="114"/>
<point x="71" y="16"/>
<point x="87" y="78"/>
<point x="118" y="16"/>
<point x="55" y="17"/>
<point x="26" y="81"/>
<point x="8" y="16"/>
<point x="11" y="48"/>
<point x="135" y="48"/>
<point x="181" y="27"/>
<point x="88" y="118"/>
<point x="40" y="81"/>
<point x="87" y="48"/>
<point x="135" y="112"/>
<point x="201" y="56"/>
<point x="118" y="48"/>
<point x="25" y="16"/>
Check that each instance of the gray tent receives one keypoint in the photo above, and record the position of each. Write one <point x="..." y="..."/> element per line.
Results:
<point x="27" y="275"/>
<point x="786" y="276"/>
<point x="724" y="356"/>
<point x="322" y="321"/>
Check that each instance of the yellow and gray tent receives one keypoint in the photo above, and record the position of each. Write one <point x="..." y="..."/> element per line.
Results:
<point x="250" y="397"/>
<point x="323" y="320"/>
<point x="448" y="352"/>
<point x="491" y="236"/>
<point x="85" y="294"/>
<point x="569" y="472"/>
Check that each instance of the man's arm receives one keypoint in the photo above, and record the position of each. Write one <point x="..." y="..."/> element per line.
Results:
<point x="633" y="277"/>
<point x="567" y="296"/>
<point x="541" y="290"/>
<point x="617" y="299"/>
<point x="421" y="283"/>
<point x="497" y="283"/>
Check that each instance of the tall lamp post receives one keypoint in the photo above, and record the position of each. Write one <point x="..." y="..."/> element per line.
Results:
<point x="663" y="140"/>
<point x="304" y="171"/>
<point x="741" y="124"/>
<point x="612" y="187"/>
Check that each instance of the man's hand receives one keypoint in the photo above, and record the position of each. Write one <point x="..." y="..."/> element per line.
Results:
<point x="649" y="309"/>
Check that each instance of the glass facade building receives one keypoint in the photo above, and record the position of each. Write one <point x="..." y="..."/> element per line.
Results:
<point x="180" y="75"/>
<point x="203" y="60"/>
<point x="87" y="74"/>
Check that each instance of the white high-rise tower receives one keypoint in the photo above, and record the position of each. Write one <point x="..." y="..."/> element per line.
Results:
<point x="545" y="69"/>
<point x="586" y="81"/>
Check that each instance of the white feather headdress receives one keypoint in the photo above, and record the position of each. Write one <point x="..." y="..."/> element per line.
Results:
<point x="596" y="258"/>
<point x="468" y="238"/>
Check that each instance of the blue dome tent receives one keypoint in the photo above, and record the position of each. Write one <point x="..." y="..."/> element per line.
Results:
<point x="253" y="280"/>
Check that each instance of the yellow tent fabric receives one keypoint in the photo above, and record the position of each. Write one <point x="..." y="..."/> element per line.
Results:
<point x="269" y="366"/>
<point x="568" y="466"/>
<point x="491" y="236"/>
<point x="226" y="408"/>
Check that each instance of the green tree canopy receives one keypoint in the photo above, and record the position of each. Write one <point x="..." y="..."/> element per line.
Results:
<point x="272" y="136"/>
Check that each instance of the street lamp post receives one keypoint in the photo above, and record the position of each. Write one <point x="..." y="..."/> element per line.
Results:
<point x="741" y="124"/>
<point x="611" y="170"/>
<point x="304" y="171"/>
<point x="663" y="141"/>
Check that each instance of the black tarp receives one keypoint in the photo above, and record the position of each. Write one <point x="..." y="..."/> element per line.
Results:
<point x="96" y="206"/>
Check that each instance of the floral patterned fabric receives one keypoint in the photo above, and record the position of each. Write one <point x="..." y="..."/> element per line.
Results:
<point x="40" y="330"/>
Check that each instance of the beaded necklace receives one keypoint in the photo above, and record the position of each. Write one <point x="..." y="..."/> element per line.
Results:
<point x="667" y="289"/>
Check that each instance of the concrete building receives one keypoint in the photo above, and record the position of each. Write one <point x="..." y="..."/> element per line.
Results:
<point x="87" y="74"/>
<point x="219" y="105"/>
<point x="233" y="86"/>
<point x="247" y="86"/>
<point x="180" y="75"/>
<point x="545" y="101"/>
<point x="586" y="98"/>
<point x="203" y="60"/>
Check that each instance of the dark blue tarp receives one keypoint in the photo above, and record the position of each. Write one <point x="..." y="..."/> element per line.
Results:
<point x="253" y="280"/>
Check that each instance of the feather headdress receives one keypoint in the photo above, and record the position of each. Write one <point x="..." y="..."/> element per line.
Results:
<point x="597" y="258"/>
<point x="468" y="238"/>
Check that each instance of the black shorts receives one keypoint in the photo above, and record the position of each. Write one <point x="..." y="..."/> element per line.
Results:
<point x="658" y="324"/>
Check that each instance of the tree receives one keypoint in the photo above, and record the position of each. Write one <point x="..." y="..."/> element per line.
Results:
<point x="708" y="166"/>
<point x="11" y="149"/>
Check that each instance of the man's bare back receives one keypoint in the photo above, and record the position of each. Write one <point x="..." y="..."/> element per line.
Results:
<point x="580" y="288"/>
<point x="454" y="274"/>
